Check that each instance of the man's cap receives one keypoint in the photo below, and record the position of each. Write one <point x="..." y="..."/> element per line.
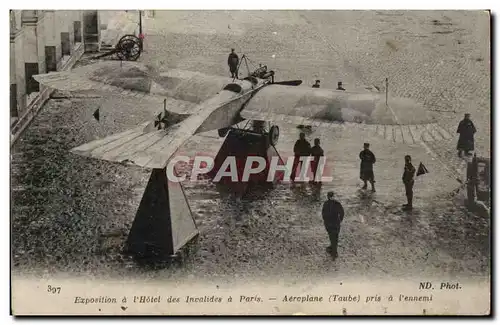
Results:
<point x="316" y="140"/>
<point x="408" y="157"/>
<point x="329" y="194"/>
<point x="317" y="80"/>
<point x="232" y="49"/>
<point x="339" y="83"/>
<point x="366" y="144"/>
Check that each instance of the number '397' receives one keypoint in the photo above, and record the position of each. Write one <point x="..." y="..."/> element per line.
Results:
<point x="53" y="290"/>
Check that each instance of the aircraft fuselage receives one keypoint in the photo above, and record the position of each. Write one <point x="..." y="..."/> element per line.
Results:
<point x="222" y="110"/>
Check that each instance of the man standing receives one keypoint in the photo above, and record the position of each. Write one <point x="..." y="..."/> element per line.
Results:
<point x="233" y="60"/>
<point x="316" y="84"/>
<point x="301" y="148"/>
<point x="408" y="180"/>
<point x="466" y="129"/>
<point x="366" y="168"/>
<point x="317" y="153"/>
<point x="333" y="214"/>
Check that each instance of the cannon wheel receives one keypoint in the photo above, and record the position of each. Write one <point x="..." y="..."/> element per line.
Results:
<point x="274" y="134"/>
<point x="128" y="48"/>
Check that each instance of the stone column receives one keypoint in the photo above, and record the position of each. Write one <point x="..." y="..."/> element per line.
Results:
<point x="52" y="41"/>
<point x="17" y="83"/>
<point x="91" y="31"/>
<point x="77" y="26"/>
<point x="67" y="34"/>
<point x="34" y="41"/>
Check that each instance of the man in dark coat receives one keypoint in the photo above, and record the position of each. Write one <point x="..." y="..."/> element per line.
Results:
<point x="301" y="148"/>
<point x="233" y="60"/>
<point x="333" y="214"/>
<point x="317" y="153"/>
<point x="339" y="86"/>
<point x="366" y="168"/>
<point x="316" y="84"/>
<point x="466" y="129"/>
<point x="408" y="181"/>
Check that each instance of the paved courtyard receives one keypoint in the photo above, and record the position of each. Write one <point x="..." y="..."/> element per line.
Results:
<point x="73" y="214"/>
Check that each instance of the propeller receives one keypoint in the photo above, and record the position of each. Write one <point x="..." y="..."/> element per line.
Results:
<point x="289" y="83"/>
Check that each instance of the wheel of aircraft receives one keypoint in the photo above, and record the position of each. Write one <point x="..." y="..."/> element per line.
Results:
<point x="274" y="134"/>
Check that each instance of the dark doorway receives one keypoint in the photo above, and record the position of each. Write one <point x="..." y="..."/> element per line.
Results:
<point x="31" y="84"/>
<point x="65" y="44"/>
<point x="50" y="58"/>
<point x="77" y="28"/>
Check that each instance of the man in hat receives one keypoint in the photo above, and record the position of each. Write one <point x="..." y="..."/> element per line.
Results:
<point x="366" y="168"/>
<point x="301" y="148"/>
<point x="408" y="181"/>
<point x="339" y="86"/>
<point x="317" y="153"/>
<point x="233" y="60"/>
<point x="316" y="84"/>
<point x="333" y="215"/>
<point x="466" y="129"/>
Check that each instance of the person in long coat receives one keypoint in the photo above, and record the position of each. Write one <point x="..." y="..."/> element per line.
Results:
<point x="333" y="215"/>
<point x="317" y="152"/>
<point x="408" y="181"/>
<point x="301" y="148"/>
<point x="466" y="129"/>
<point x="366" y="167"/>
<point x="233" y="60"/>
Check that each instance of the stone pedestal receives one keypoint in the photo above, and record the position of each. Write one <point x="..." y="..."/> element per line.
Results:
<point x="163" y="223"/>
<point x="241" y="145"/>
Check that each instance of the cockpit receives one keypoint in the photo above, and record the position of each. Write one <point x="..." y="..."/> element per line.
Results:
<point x="235" y="88"/>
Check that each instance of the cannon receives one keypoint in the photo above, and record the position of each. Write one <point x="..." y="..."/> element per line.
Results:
<point x="128" y="48"/>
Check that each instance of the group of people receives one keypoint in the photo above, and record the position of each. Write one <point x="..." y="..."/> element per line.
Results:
<point x="233" y="61"/>
<point x="339" y="85"/>
<point x="333" y="212"/>
<point x="302" y="148"/>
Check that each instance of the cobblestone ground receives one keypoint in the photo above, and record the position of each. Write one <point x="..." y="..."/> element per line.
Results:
<point x="72" y="214"/>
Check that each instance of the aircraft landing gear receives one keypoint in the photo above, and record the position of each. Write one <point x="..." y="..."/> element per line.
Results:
<point x="274" y="134"/>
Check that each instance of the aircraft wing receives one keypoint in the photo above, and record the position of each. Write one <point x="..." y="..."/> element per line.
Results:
<point x="142" y="146"/>
<point x="304" y="105"/>
<point x="182" y="89"/>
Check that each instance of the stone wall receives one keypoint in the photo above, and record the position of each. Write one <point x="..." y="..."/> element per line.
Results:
<point x="41" y="41"/>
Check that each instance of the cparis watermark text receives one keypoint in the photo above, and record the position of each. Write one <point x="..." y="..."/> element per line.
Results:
<point x="237" y="169"/>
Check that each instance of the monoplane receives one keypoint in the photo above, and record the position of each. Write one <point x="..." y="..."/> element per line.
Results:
<point x="198" y="103"/>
